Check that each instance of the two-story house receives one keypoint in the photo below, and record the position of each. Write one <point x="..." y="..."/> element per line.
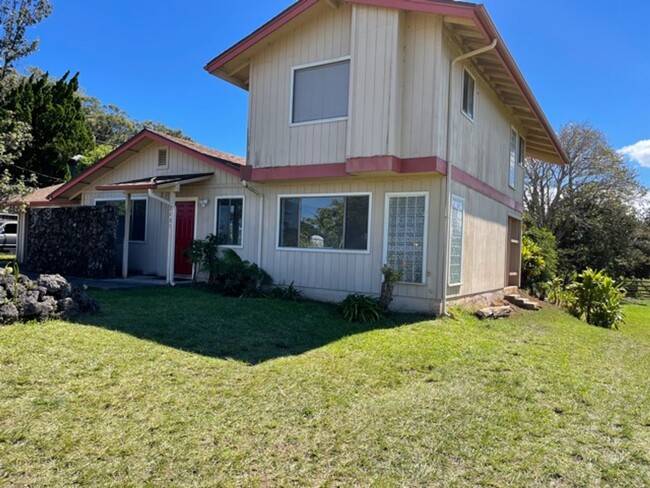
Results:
<point x="380" y="131"/>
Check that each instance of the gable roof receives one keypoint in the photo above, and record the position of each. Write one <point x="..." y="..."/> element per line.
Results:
<point x="221" y="160"/>
<point x="469" y="24"/>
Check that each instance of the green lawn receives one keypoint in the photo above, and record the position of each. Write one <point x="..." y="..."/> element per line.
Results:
<point x="178" y="387"/>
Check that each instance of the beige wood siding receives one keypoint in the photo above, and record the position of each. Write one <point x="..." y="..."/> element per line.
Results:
<point x="333" y="274"/>
<point x="272" y="140"/>
<point x="374" y="90"/>
<point x="484" y="243"/>
<point x="480" y="147"/>
<point x="150" y="257"/>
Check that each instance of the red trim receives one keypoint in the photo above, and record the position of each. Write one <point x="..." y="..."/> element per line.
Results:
<point x="483" y="188"/>
<point x="274" y="24"/>
<point x="431" y="164"/>
<point x="143" y="186"/>
<point x="60" y="203"/>
<point x="373" y="164"/>
<point x="330" y="170"/>
<point x="144" y="134"/>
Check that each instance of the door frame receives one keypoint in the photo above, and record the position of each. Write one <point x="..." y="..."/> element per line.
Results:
<point x="509" y="244"/>
<point x="196" y="223"/>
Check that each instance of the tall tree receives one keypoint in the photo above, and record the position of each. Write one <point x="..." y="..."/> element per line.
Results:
<point x="587" y="204"/>
<point x="16" y="16"/>
<point x="59" y="131"/>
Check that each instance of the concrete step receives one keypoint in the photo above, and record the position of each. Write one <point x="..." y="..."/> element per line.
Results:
<point x="525" y="303"/>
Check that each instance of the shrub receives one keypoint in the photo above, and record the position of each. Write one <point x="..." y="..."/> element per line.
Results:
<point x="539" y="259"/>
<point x="228" y="273"/>
<point x="391" y="276"/>
<point x="597" y="298"/>
<point x="290" y="293"/>
<point x="360" y="308"/>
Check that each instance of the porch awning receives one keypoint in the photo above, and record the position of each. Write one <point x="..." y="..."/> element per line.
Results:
<point x="156" y="182"/>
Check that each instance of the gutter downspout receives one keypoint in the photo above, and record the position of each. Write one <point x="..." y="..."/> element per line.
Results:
<point x="448" y="178"/>
<point x="260" y="219"/>
<point x="171" y="236"/>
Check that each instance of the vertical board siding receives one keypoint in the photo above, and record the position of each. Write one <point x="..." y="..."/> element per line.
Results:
<point x="272" y="140"/>
<point x="341" y="272"/>
<point x="150" y="257"/>
<point x="373" y="90"/>
<point x="481" y="147"/>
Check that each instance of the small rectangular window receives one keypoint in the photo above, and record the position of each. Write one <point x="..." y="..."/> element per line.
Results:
<point x="320" y="92"/>
<point x="456" y="240"/>
<point x="229" y="224"/>
<point x="469" y="87"/>
<point x="405" y="239"/>
<point x="512" y="162"/>
<point x="522" y="151"/>
<point x="325" y="222"/>
<point x="138" y="218"/>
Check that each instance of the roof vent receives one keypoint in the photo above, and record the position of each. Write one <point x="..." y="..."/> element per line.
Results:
<point x="162" y="158"/>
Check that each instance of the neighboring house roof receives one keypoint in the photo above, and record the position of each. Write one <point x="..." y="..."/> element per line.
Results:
<point x="221" y="160"/>
<point x="471" y="26"/>
<point x="38" y="198"/>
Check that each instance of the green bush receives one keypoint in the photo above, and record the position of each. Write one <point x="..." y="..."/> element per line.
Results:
<point x="538" y="260"/>
<point x="360" y="308"/>
<point x="228" y="272"/>
<point x="289" y="293"/>
<point x="597" y="298"/>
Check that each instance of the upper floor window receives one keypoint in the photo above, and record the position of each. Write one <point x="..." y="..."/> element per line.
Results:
<point x="325" y="222"/>
<point x="514" y="144"/>
<point x="469" y="87"/>
<point x="320" y="92"/>
<point x="522" y="150"/>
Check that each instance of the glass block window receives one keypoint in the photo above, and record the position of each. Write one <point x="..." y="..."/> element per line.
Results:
<point x="406" y="235"/>
<point x="137" y="232"/>
<point x="456" y="240"/>
<point x="325" y="222"/>
<point x="229" y="221"/>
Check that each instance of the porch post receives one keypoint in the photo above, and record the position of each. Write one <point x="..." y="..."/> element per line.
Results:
<point x="171" y="239"/>
<point x="22" y="236"/>
<point x="127" y="228"/>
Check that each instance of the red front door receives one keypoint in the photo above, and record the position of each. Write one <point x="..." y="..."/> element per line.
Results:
<point x="185" y="212"/>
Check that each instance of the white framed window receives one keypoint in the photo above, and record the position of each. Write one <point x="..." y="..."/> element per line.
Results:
<point x="469" y="92"/>
<point x="138" y="231"/>
<point x="229" y="221"/>
<point x="324" y="222"/>
<point x="320" y="91"/>
<point x="456" y="239"/>
<point x="512" y="162"/>
<point x="405" y="234"/>
<point x="522" y="151"/>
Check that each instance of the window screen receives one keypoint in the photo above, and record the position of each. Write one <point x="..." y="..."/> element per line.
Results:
<point x="405" y="236"/>
<point x="456" y="240"/>
<point x="468" y="94"/>
<point x="229" y="221"/>
<point x="321" y="92"/>
<point x="513" y="157"/>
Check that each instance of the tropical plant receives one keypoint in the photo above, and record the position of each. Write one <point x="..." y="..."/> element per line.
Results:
<point x="360" y="308"/>
<point x="204" y="254"/>
<point x="236" y="277"/>
<point x="390" y="277"/>
<point x="289" y="293"/>
<point x="598" y="298"/>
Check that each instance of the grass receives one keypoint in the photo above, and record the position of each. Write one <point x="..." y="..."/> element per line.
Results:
<point x="172" y="387"/>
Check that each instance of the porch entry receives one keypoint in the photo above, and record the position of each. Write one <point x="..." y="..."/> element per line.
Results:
<point x="513" y="253"/>
<point x="185" y="219"/>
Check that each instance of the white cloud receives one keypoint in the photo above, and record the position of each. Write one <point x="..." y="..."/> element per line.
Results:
<point x="639" y="153"/>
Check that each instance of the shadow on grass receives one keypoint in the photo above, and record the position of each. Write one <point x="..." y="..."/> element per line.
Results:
<point x="195" y="319"/>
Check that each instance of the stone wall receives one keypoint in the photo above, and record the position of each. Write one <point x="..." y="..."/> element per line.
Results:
<point x="74" y="241"/>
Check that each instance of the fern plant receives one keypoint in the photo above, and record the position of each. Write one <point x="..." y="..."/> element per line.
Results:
<point x="360" y="308"/>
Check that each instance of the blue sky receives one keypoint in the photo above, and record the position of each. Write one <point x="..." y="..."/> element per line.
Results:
<point x="585" y="61"/>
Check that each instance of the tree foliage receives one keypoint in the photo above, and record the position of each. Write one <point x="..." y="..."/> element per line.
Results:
<point x="587" y="204"/>
<point x="53" y="109"/>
